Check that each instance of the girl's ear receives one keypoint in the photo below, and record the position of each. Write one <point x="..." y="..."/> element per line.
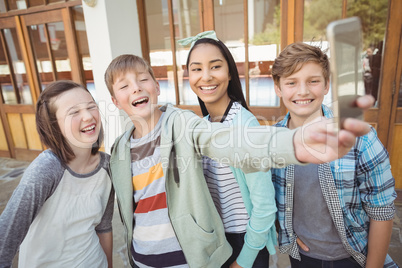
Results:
<point x="278" y="90"/>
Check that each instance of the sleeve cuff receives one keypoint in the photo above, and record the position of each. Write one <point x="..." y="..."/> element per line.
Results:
<point x="247" y="256"/>
<point x="385" y="213"/>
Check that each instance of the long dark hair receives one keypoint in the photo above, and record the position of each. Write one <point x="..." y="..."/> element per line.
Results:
<point x="47" y="125"/>
<point x="235" y="92"/>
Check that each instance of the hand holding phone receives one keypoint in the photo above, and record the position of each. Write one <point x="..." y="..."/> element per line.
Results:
<point x="345" y="46"/>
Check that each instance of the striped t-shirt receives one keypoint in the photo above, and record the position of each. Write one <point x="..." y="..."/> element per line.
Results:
<point x="224" y="188"/>
<point x="154" y="240"/>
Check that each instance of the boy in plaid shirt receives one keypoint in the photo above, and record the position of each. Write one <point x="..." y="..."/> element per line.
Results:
<point x="338" y="213"/>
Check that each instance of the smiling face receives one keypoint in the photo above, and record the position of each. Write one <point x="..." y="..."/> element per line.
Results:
<point x="137" y="94"/>
<point x="78" y="118"/>
<point x="303" y="93"/>
<point x="209" y="75"/>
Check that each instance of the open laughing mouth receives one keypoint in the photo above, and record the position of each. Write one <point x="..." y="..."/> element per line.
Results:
<point x="140" y="101"/>
<point x="88" y="129"/>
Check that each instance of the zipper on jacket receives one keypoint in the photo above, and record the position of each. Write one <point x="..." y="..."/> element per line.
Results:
<point x="175" y="172"/>
<point x="126" y="234"/>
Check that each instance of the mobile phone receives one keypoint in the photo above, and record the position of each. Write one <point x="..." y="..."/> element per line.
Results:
<point x="345" y="47"/>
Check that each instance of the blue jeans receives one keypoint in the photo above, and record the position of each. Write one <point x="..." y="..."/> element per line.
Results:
<point x="237" y="241"/>
<point x="307" y="262"/>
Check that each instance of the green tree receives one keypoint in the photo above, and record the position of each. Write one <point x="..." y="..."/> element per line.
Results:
<point x="271" y="33"/>
<point x="317" y="15"/>
<point x="373" y="16"/>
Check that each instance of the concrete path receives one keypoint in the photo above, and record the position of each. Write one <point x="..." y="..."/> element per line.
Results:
<point x="11" y="172"/>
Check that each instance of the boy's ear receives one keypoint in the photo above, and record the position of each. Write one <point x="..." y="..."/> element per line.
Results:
<point x="326" y="90"/>
<point x="116" y="103"/>
<point x="158" y="88"/>
<point x="278" y="90"/>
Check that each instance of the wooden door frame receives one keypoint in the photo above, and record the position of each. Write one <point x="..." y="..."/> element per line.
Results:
<point x="65" y="16"/>
<point x="395" y="113"/>
<point x="207" y="15"/>
<point x="207" y="22"/>
<point x="389" y="70"/>
<point x="292" y="31"/>
<point x="14" y="152"/>
<point x="266" y="114"/>
<point x="20" y="21"/>
<point x="7" y="23"/>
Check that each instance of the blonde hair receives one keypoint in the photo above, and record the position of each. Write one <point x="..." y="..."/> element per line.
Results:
<point x="294" y="56"/>
<point x="123" y="64"/>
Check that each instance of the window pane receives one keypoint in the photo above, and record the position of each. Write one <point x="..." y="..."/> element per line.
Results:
<point x="264" y="45"/>
<point x="160" y="48"/>
<point x="18" y="64"/>
<point x="373" y="15"/>
<point x="229" y="27"/>
<point x="317" y="15"/>
<point x="16" y="4"/>
<point x="58" y="47"/>
<point x="187" y="23"/>
<point x="7" y="89"/>
<point x="3" y="6"/>
<point x="83" y="48"/>
<point x="43" y="61"/>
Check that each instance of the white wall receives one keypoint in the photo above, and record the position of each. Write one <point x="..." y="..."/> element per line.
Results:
<point x="112" y="29"/>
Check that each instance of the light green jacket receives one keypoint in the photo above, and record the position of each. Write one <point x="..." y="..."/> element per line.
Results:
<point x="185" y="138"/>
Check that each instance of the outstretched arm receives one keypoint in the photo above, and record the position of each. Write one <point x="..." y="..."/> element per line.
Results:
<point x="260" y="148"/>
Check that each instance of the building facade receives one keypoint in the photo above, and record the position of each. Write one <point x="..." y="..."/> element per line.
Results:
<point x="47" y="40"/>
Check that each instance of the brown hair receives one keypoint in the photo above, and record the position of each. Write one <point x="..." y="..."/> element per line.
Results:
<point x="294" y="56"/>
<point x="122" y="64"/>
<point x="47" y="125"/>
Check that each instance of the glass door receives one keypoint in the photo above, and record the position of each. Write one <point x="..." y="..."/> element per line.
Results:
<point x="381" y="61"/>
<point x="249" y="28"/>
<point x="393" y="98"/>
<point x="168" y="21"/>
<point x="36" y="49"/>
<point x="48" y="47"/>
<point x="18" y="134"/>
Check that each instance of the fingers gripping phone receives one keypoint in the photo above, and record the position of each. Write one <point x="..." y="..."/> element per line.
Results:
<point x="345" y="46"/>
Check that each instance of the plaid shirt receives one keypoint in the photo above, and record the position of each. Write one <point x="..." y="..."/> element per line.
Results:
<point x="356" y="188"/>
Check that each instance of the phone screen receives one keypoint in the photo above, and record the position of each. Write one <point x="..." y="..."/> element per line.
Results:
<point x="345" y="42"/>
